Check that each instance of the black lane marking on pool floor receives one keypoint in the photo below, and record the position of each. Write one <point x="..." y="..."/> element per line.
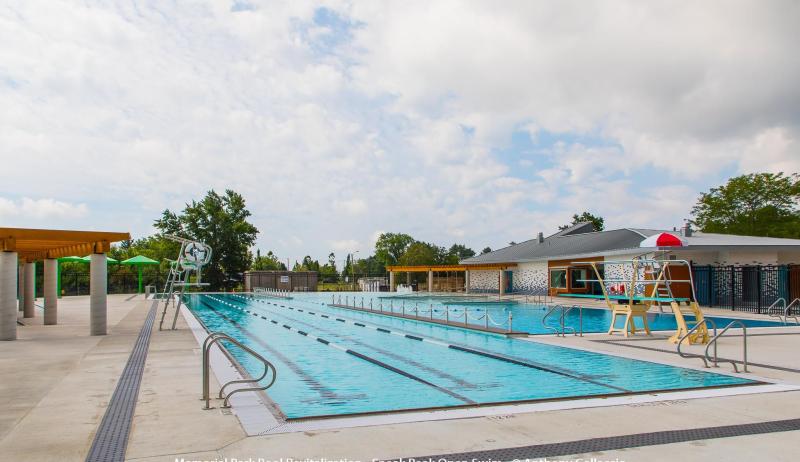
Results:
<point x="111" y="439"/>
<point x="610" y="443"/>
<point x="362" y="356"/>
<point x="487" y="354"/>
<point x="404" y="359"/>
<point x="316" y="385"/>
<point x="661" y="350"/>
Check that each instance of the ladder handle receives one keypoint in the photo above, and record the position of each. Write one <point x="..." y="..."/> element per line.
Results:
<point x="216" y="337"/>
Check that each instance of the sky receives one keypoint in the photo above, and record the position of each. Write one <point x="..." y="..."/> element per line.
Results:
<point x="472" y="122"/>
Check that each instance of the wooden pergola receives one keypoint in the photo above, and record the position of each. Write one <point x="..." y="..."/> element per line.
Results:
<point x="40" y="244"/>
<point x="20" y="248"/>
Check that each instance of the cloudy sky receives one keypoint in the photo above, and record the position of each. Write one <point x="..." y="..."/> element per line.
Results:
<point x="474" y="122"/>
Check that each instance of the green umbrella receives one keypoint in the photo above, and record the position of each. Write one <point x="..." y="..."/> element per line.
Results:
<point x="88" y="259"/>
<point x="139" y="261"/>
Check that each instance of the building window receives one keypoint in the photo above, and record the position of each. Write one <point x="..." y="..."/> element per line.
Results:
<point x="558" y="279"/>
<point x="578" y="278"/>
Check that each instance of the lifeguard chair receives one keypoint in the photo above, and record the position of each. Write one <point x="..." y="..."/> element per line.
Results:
<point x="652" y="282"/>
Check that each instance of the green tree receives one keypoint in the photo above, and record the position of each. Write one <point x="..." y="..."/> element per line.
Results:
<point x="390" y="247"/>
<point x="758" y="204"/>
<point x="268" y="262"/>
<point x="221" y="222"/>
<point x="597" y="221"/>
<point x="422" y="253"/>
<point x="458" y="252"/>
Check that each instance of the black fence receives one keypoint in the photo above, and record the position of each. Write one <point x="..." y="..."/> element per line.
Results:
<point x="746" y="288"/>
<point x="122" y="282"/>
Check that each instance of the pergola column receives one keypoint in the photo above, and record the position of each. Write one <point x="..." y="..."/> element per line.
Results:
<point x="392" y="285"/>
<point x="50" y="291"/>
<point x="430" y="280"/>
<point x="98" y="298"/>
<point x="466" y="281"/>
<point x="21" y="284"/>
<point x="502" y="282"/>
<point x="8" y="301"/>
<point x="29" y="309"/>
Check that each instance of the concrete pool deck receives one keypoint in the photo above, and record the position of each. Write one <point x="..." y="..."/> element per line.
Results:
<point x="57" y="381"/>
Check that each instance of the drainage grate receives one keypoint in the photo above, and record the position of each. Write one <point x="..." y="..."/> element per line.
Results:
<point x="617" y="442"/>
<point x="111" y="438"/>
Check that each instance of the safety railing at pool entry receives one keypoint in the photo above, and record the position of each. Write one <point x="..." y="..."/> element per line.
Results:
<point x="445" y="315"/>
<point x="716" y="337"/>
<point x="563" y="311"/>
<point x="783" y="313"/>
<point x="694" y="331"/>
<point x="216" y="337"/>
<point x="274" y="293"/>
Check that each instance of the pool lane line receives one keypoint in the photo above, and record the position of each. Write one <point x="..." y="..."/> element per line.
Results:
<point x="441" y="374"/>
<point x="316" y="385"/>
<point x="493" y="355"/>
<point x="357" y="355"/>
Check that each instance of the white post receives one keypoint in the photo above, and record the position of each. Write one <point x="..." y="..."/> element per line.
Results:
<point x="392" y="286"/>
<point x="8" y="290"/>
<point x="29" y="309"/>
<point x="466" y="281"/>
<point x="430" y="280"/>
<point x="502" y="282"/>
<point x="50" y="291"/>
<point x="98" y="287"/>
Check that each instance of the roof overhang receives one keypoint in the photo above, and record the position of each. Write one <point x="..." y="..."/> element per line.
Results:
<point x="426" y="268"/>
<point x="38" y="244"/>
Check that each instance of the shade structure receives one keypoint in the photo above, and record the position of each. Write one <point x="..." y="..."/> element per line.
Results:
<point x="88" y="259"/>
<point x="139" y="261"/>
<point x="664" y="240"/>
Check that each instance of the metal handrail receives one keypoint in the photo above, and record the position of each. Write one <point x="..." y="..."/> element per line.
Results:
<point x="544" y="318"/>
<point x="216" y="337"/>
<point x="691" y="331"/>
<point x="788" y="309"/>
<point x="580" y="320"/>
<point x="772" y="312"/>
<point x="716" y="337"/>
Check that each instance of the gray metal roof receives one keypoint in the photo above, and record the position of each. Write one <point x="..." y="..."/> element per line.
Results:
<point x="581" y="239"/>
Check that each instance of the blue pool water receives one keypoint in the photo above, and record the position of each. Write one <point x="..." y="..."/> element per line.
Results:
<point x="526" y="317"/>
<point x="375" y="363"/>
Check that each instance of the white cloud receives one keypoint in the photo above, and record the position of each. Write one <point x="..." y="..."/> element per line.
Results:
<point x="27" y="210"/>
<point x="132" y="109"/>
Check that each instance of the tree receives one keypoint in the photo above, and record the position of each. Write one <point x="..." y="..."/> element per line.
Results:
<point x="221" y="222"/>
<point x="268" y="262"/>
<point x="458" y="252"/>
<point x="421" y="253"/>
<point x="486" y="250"/>
<point x="758" y="204"/>
<point x="597" y="221"/>
<point x="391" y="246"/>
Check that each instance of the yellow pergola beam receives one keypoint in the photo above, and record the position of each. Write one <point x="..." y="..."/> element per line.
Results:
<point x="38" y="244"/>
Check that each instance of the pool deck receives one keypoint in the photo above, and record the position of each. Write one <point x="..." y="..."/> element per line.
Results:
<point x="58" y="380"/>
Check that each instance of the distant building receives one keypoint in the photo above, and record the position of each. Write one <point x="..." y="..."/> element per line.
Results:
<point x="292" y="281"/>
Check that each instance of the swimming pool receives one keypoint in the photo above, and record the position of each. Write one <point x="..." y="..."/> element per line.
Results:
<point x="333" y="361"/>
<point x="526" y="317"/>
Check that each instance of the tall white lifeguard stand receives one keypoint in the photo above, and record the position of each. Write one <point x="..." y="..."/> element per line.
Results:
<point x="192" y="256"/>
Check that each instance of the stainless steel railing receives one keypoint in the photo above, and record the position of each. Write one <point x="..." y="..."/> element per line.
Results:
<point x="562" y="328"/>
<point x="716" y="337"/>
<point x="216" y="337"/>
<point x="692" y="331"/>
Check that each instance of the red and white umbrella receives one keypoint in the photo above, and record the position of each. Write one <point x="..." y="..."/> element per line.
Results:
<point x="664" y="240"/>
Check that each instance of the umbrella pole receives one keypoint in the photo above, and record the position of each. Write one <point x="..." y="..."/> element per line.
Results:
<point x="140" y="278"/>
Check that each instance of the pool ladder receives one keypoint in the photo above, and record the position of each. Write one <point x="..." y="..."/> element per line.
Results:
<point x="216" y="337"/>
<point x="561" y="320"/>
<point x="784" y="313"/>
<point x="706" y="357"/>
